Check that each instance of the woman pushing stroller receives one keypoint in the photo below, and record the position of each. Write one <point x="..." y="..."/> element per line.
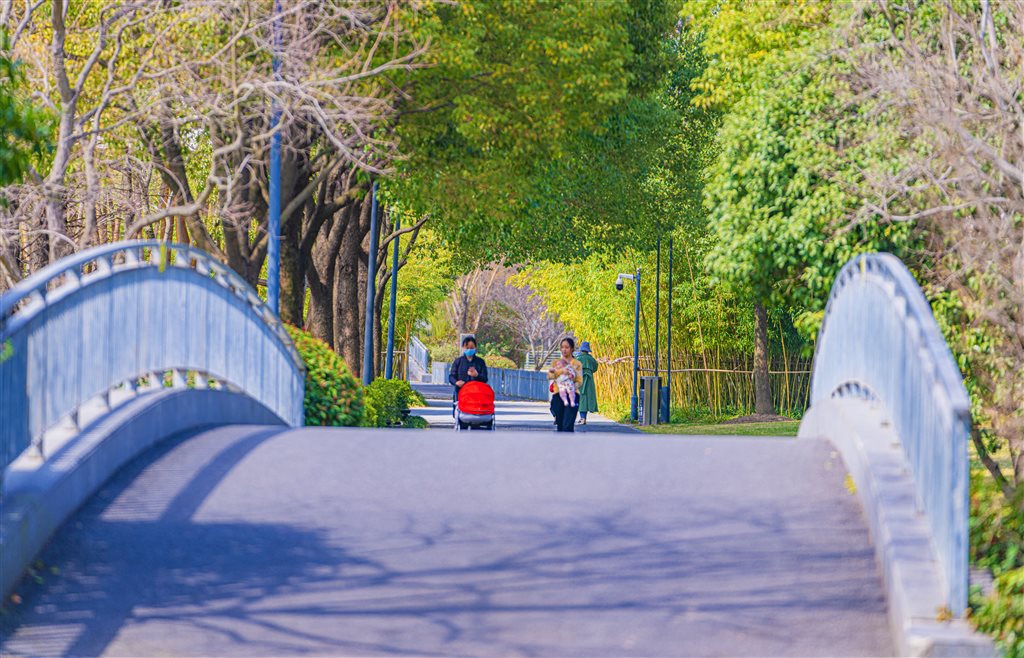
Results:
<point x="468" y="367"/>
<point x="473" y="406"/>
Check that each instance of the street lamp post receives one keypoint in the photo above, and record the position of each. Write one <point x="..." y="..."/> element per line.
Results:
<point x="634" y="402"/>
<point x="371" y="290"/>
<point x="666" y="417"/>
<point x="274" y="200"/>
<point x="389" y="363"/>
<point x="657" y="333"/>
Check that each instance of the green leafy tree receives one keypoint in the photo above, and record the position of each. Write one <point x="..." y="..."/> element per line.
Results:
<point x="791" y="148"/>
<point x="510" y="87"/>
<point x="24" y="134"/>
<point x="26" y="129"/>
<point x="424" y="281"/>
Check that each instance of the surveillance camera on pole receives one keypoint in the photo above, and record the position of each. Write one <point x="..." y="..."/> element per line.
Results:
<point x="634" y="402"/>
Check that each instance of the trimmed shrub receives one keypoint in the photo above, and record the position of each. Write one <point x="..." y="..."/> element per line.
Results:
<point x="499" y="361"/>
<point x="445" y="352"/>
<point x="387" y="400"/>
<point x="333" y="396"/>
<point x="416" y="422"/>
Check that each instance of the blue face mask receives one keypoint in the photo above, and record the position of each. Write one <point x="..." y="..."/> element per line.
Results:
<point x="471" y="352"/>
<point x="576" y="354"/>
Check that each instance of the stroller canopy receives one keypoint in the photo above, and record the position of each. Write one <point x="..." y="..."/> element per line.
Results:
<point x="476" y="398"/>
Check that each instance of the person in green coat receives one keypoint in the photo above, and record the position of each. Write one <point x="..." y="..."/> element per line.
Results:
<point x="587" y="392"/>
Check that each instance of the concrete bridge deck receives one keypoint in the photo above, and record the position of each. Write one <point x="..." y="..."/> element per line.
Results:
<point x="264" y="541"/>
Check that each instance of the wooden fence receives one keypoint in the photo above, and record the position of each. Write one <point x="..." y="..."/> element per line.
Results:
<point x="718" y="386"/>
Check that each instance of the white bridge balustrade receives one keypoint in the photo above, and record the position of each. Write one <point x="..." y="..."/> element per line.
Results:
<point x="117" y="321"/>
<point x="880" y="350"/>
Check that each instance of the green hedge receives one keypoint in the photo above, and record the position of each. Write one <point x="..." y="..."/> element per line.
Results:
<point x="997" y="544"/>
<point x="386" y="402"/>
<point x="499" y="361"/>
<point x="444" y="352"/>
<point x="333" y="396"/>
<point x="1001" y="614"/>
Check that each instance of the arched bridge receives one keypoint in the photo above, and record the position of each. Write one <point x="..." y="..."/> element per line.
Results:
<point x="151" y="405"/>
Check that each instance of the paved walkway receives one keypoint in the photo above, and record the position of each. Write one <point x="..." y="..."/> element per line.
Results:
<point x="249" y="542"/>
<point x="518" y="415"/>
<point x="511" y="414"/>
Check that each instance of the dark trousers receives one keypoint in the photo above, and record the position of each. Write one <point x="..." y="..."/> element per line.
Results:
<point x="565" y="416"/>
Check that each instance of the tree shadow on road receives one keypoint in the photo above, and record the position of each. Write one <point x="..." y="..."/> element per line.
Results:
<point x="142" y="576"/>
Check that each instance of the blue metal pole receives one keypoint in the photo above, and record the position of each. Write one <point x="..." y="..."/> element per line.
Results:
<point x="389" y="365"/>
<point x="657" y="312"/>
<point x="634" y="412"/>
<point x="666" y="403"/>
<point x="371" y="289"/>
<point x="274" y="219"/>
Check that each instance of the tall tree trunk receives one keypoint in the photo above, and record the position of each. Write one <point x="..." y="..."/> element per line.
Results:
<point x="360" y="291"/>
<point x="1018" y="470"/>
<point x="321" y="274"/>
<point x="236" y="241"/>
<point x="293" y="275"/>
<point x="363" y="270"/>
<point x="38" y="247"/>
<point x="191" y="229"/>
<point x="762" y="386"/>
<point x="347" y="328"/>
<point x="181" y="231"/>
<point x="53" y="186"/>
<point x="294" y="177"/>
<point x="320" y="320"/>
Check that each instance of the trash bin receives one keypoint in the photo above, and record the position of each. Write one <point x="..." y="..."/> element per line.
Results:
<point x="649" y="387"/>
<point x="666" y="411"/>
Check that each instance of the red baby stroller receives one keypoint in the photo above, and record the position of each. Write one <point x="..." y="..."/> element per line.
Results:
<point x="475" y="407"/>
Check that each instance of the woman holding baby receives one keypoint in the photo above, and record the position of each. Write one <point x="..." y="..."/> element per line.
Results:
<point x="567" y="375"/>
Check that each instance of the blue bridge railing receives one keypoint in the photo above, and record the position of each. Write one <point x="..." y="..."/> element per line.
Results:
<point x="879" y="341"/>
<point x="113" y="322"/>
<point x="519" y="384"/>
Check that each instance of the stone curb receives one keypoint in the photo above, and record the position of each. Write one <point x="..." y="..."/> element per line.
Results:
<point x="914" y="582"/>
<point x="37" y="496"/>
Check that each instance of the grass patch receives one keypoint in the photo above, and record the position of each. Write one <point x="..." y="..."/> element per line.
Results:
<point x="782" y="428"/>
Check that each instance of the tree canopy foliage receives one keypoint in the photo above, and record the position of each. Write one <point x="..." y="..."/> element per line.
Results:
<point x="517" y="87"/>
<point x="26" y="129"/>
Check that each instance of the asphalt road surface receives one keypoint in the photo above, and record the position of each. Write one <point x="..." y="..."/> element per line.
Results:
<point x="253" y="541"/>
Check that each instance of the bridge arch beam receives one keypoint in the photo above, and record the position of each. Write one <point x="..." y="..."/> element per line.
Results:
<point x="121" y="320"/>
<point x="880" y="350"/>
<point x="92" y="349"/>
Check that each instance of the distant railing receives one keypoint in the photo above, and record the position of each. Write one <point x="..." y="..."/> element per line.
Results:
<point x="879" y="341"/>
<point x="519" y="384"/>
<point x="418" y="360"/>
<point x="118" y="320"/>
<point x="439" y="372"/>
